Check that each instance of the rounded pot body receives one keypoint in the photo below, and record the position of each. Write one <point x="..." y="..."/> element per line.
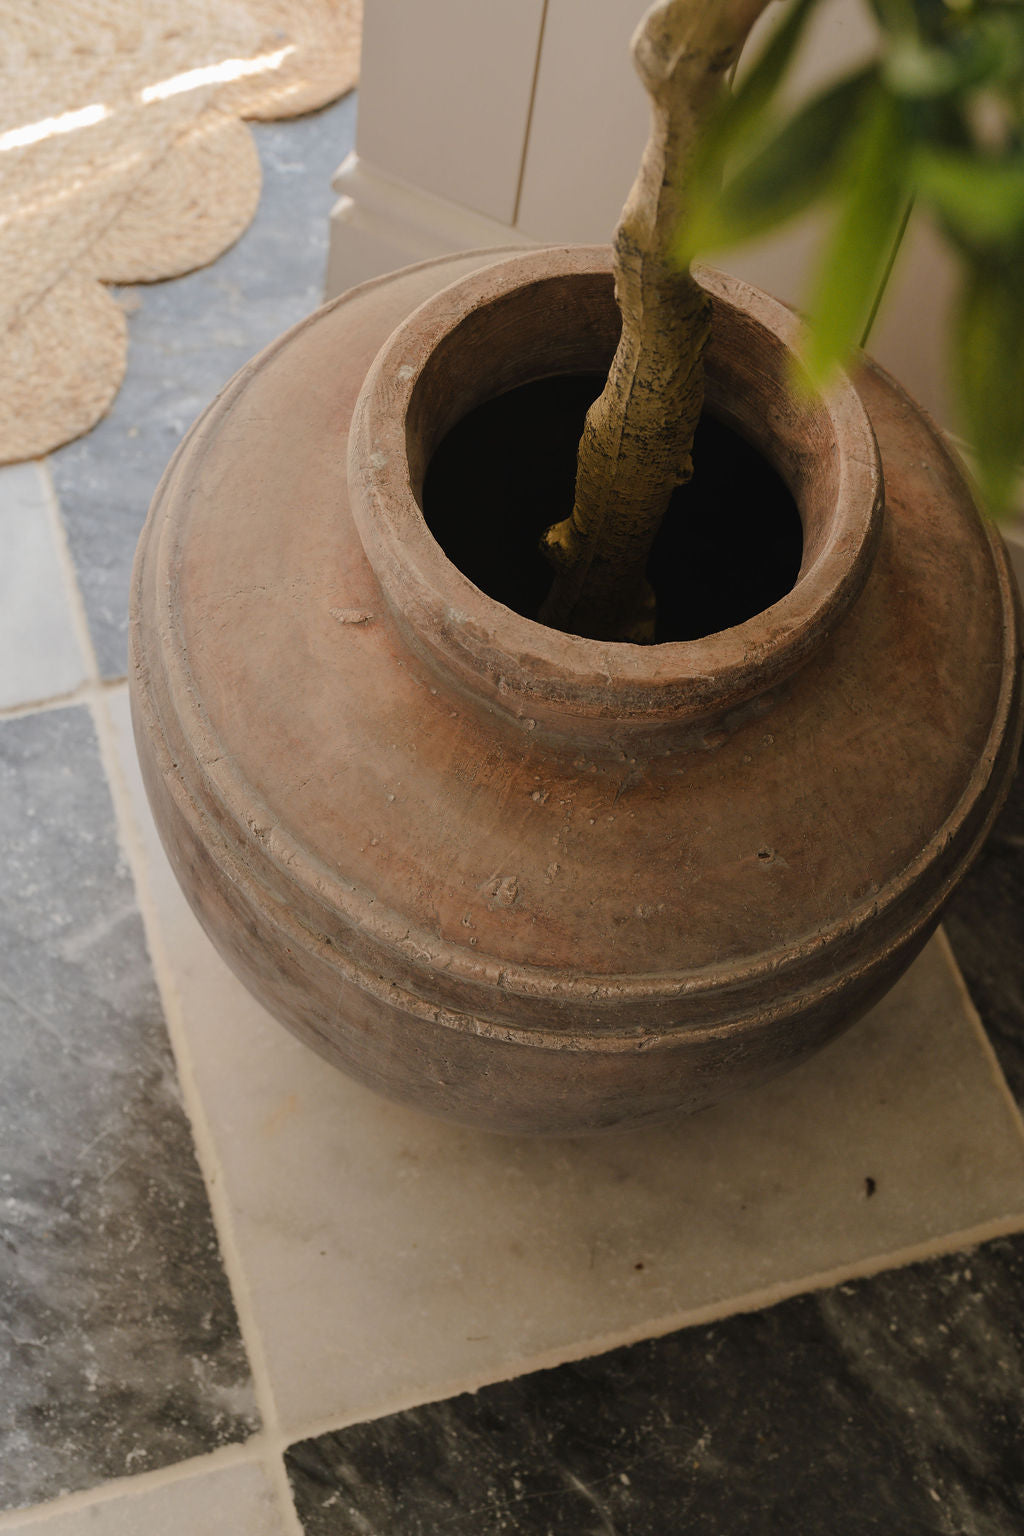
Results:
<point x="534" y="882"/>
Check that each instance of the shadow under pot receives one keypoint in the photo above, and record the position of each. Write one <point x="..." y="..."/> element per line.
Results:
<point x="529" y="881"/>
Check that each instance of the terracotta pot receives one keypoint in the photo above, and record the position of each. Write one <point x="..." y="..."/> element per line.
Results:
<point x="534" y="882"/>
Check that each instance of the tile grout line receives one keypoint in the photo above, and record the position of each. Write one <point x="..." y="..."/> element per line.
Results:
<point x="96" y="694"/>
<point x="82" y="694"/>
<point x="273" y="1439"/>
<point x="977" y="1024"/>
<point x="758" y="1300"/>
<point x="242" y="1454"/>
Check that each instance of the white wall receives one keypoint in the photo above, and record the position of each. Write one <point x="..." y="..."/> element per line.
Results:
<point x="486" y="122"/>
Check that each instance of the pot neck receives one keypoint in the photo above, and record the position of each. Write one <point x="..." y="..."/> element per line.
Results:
<point x="550" y="312"/>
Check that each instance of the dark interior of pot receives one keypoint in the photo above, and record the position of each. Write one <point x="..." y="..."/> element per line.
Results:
<point x="493" y="428"/>
<point x="730" y="546"/>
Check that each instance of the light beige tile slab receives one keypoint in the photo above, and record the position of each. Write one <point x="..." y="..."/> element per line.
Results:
<point x="231" y="1501"/>
<point x="392" y="1259"/>
<point x="40" y="657"/>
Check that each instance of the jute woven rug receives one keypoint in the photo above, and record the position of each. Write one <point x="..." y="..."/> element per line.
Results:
<point x="123" y="158"/>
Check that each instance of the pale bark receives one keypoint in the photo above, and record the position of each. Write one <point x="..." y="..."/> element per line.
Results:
<point x="637" y="442"/>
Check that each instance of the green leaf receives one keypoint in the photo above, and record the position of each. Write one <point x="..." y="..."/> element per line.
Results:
<point x="918" y="72"/>
<point x="979" y="198"/>
<point x="797" y="165"/>
<point x="1002" y="32"/>
<point x="988" y="371"/>
<point x="737" y="124"/>
<point x="872" y="198"/>
<point x="758" y="85"/>
<point x="896" y="16"/>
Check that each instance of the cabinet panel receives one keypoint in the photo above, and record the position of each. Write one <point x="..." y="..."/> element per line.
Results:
<point x="445" y="96"/>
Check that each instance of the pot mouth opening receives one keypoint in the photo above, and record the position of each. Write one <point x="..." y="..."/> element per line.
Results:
<point x="551" y="314"/>
<point x="730" y="546"/>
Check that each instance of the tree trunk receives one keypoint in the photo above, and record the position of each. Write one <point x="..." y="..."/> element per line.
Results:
<point x="637" y="441"/>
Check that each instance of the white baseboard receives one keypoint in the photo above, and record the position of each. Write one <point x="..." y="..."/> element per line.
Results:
<point x="380" y="223"/>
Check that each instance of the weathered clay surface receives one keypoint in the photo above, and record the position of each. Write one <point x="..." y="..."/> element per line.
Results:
<point x="536" y="882"/>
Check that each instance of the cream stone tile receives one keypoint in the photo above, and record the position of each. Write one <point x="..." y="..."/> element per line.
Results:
<point x="231" y="1501"/>
<point x="393" y="1259"/>
<point x="40" y="657"/>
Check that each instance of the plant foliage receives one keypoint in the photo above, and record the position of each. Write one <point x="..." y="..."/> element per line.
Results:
<point x="936" y="121"/>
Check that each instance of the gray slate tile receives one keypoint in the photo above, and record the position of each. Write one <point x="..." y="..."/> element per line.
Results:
<point x="119" y="1345"/>
<point x="889" y="1406"/>
<point x="40" y="657"/>
<point x="187" y="337"/>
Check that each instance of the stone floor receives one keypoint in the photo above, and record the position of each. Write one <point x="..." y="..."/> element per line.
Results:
<point x="238" y="1293"/>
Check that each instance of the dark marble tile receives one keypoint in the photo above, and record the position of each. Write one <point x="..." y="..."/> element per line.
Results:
<point x="119" y="1345"/>
<point x="892" y="1405"/>
<point x="186" y="338"/>
<point x="985" y="924"/>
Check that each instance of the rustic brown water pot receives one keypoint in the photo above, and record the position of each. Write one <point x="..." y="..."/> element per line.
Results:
<point x="526" y="880"/>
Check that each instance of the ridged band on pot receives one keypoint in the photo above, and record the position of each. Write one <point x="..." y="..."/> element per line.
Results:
<point x="464" y="904"/>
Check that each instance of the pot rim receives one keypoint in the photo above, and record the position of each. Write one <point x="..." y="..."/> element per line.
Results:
<point x="542" y="675"/>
